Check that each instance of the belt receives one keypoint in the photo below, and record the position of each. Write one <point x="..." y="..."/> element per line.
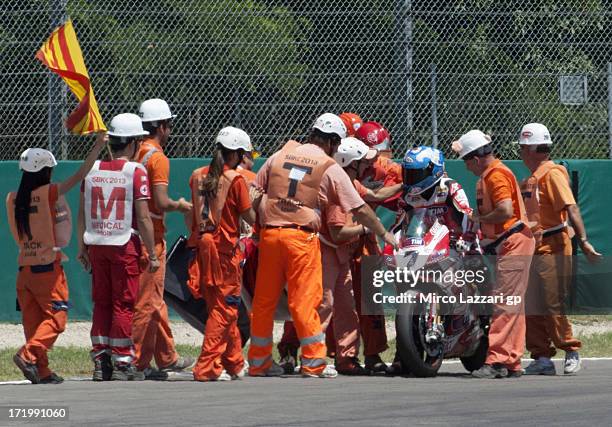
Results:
<point x="554" y="230"/>
<point x="293" y="226"/>
<point x="491" y="248"/>
<point x="41" y="268"/>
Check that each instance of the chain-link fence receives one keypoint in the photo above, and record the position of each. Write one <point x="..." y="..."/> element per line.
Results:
<point x="427" y="70"/>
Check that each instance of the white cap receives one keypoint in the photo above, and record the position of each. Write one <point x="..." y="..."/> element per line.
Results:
<point x="234" y="139"/>
<point x="153" y="110"/>
<point x="469" y="142"/>
<point x="351" y="149"/>
<point x="330" y="123"/>
<point x="535" y="134"/>
<point x="126" y="125"/>
<point x="35" y="159"/>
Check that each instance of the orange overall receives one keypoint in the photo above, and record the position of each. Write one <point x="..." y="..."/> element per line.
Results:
<point x="219" y="272"/>
<point x="547" y="195"/>
<point x="384" y="172"/>
<point x="337" y="311"/>
<point x="338" y="299"/>
<point x="42" y="291"/>
<point x="507" y="328"/>
<point x="151" y="328"/>
<point x="299" y="180"/>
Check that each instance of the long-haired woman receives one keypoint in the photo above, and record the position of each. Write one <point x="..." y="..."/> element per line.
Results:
<point x="40" y="222"/>
<point x="220" y="199"/>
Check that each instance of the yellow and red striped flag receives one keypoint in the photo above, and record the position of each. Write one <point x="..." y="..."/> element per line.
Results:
<point x="62" y="54"/>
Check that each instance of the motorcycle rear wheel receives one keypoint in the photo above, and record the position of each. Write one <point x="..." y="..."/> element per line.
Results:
<point x="410" y="338"/>
<point x="476" y="360"/>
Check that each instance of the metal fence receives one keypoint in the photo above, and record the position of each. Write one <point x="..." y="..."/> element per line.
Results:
<point x="427" y="70"/>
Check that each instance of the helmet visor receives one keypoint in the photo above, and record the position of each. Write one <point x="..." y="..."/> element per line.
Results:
<point x="414" y="176"/>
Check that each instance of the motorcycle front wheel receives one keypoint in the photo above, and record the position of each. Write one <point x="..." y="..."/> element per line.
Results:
<point x="420" y="358"/>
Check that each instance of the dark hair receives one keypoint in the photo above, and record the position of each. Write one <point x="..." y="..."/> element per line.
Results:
<point x="117" y="143"/>
<point x="30" y="181"/>
<point x="483" y="151"/>
<point x="153" y="126"/>
<point x="148" y="126"/>
<point x="210" y="184"/>
<point x="331" y="137"/>
<point x="543" y="148"/>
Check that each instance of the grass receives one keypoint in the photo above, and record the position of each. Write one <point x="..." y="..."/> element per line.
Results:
<point x="75" y="362"/>
<point x="589" y="319"/>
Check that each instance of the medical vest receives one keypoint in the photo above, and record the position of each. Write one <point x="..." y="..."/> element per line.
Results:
<point x="109" y="205"/>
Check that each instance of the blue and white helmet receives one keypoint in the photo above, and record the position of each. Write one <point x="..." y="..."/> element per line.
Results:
<point x="422" y="168"/>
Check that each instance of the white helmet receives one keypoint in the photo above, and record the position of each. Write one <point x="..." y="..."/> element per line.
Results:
<point x="153" y="110"/>
<point x="469" y="142"/>
<point x="234" y="139"/>
<point x="351" y="149"/>
<point x="330" y="123"/>
<point x="126" y="125"/>
<point x="34" y="159"/>
<point x="535" y="134"/>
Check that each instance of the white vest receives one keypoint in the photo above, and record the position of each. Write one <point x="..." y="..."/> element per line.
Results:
<point x="109" y="203"/>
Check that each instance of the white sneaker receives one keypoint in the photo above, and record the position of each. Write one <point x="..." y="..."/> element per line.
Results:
<point x="223" y="377"/>
<point x="328" y="372"/>
<point x="539" y="367"/>
<point x="572" y="362"/>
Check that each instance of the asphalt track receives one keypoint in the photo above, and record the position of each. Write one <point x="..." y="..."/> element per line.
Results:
<point x="453" y="398"/>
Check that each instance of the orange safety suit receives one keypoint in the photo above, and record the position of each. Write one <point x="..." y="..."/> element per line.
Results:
<point x="151" y="328"/>
<point x="384" y="172"/>
<point x="219" y="271"/>
<point x="547" y="195"/>
<point x="42" y="290"/>
<point x="338" y="299"/>
<point x="337" y="311"/>
<point x="299" y="181"/>
<point x="507" y="328"/>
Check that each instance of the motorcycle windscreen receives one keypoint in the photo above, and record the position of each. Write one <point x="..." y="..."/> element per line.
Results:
<point x="176" y="293"/>
<point x="177" y="267"/>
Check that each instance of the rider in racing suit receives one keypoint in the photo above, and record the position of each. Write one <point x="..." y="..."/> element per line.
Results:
<point x="426" y="185"/>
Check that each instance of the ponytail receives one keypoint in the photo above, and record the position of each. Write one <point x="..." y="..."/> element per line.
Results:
<point x="30" y="181"/>
<point x="210" y="184"/>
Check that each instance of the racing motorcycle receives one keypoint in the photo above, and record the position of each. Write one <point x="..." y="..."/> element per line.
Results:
<point x="436" y="323"/>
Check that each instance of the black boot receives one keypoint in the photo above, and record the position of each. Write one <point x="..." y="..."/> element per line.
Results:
<point x="103" y="369"/>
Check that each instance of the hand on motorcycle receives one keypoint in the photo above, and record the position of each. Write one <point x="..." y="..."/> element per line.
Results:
<point x="389" y="239"/>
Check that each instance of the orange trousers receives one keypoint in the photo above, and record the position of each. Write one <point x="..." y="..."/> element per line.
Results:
<point x="372" y="327"/>
<point x="548" y="328"/>
<point x="222" y="345"/>
<point x="507" y="328"/>
<point x="338" y="301"/>
<point x="337" y="311"/>
<point x="150" y="327"/>
<point x="293" y="257"/>
<point x="43" y="299"/>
